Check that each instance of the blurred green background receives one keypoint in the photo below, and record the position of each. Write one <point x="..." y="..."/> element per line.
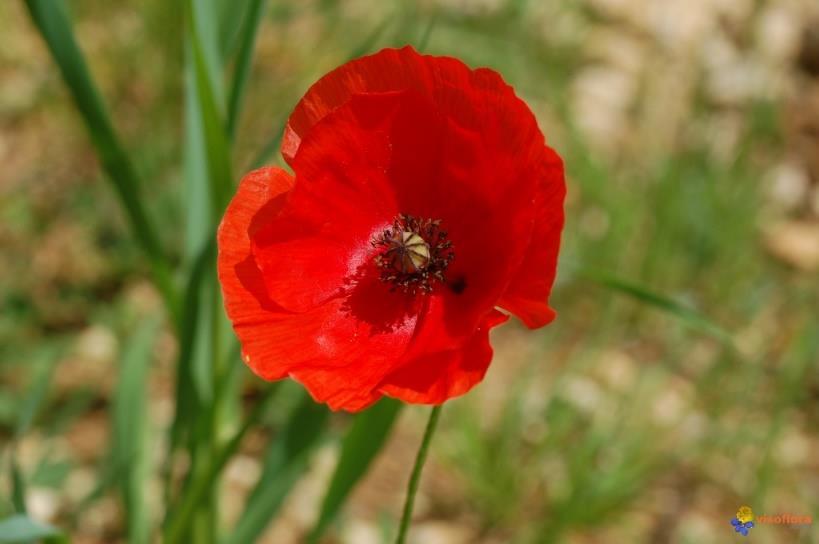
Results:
<point x="680" y="379"/>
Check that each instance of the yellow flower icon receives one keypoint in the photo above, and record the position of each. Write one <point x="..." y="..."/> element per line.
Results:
<point x="744" y="514"/>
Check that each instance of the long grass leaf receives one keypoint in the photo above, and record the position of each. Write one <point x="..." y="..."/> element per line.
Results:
<point x="194" y="360"/>
<point x="52" y="21"/>
<point x="423" y="42"/>
<point x="212" y="119"/>
<point x="198" y="216"/>
<point x="30" y="406"/>
<point x="685" y="314"/>
<point x="185" y="391"/>
<point x="208" y="21"/>
<point x="32" y="402"/>
<point x="232" y="14"/>
<point x="208" y="153"/>
<point x="285" y="462"/>
<point x="198" y="488"/>
<point x="189" y="399"/>
<point x="129" y="429"/>
<point x="362" y="443"/>
<point x="18" y="486"/>
<point x="250" y="27"/>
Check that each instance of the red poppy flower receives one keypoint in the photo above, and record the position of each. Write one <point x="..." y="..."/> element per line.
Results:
<point x="424" y="200"/>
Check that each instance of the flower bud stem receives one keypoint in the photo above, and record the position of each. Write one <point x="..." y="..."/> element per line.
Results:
<point x="415" y="478"/>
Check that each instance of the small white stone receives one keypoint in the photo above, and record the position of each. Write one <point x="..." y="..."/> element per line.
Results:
<point x="583" y="393"/>
<point x="601" y="98"/>
<point x="440" y="532"/>
<point x="361" y="532"/>
<point x="42" y="503"/>
<point x="778" y="32"/>
<point x="793" y="449"/>
<point x="243" y="471"/>
<point x="789" y="184"/>
<point x="796" y="243"/>
<point x="97" y="344"/>
<point x="617" y="369"/>
<point x="79" y="483"/>
<point x="667" y="408"/>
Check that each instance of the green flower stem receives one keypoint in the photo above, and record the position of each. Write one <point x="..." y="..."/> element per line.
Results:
<point x="415" y="479"/>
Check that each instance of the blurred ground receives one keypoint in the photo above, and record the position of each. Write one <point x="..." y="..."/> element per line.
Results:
<point x="691" y="134"/>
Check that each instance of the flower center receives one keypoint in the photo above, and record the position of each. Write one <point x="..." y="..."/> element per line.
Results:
<point x="414" y="253"/>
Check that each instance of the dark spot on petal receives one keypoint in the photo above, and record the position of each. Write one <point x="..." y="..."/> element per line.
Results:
<point x="458" y="285"/>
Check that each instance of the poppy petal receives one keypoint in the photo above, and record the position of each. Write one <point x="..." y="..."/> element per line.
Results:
<point x="353" y="352"/>
<point x="259" y="198"/>
<point x="341" y="200"/>
<point x="433" y="378"/>
<point x="387" y="70"/>
<point x="527" y="295"/>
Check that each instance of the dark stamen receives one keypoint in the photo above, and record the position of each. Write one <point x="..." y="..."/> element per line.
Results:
<point x="415" y="253"/>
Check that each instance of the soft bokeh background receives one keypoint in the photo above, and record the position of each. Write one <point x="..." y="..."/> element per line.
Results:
<point x="691" y="134"/>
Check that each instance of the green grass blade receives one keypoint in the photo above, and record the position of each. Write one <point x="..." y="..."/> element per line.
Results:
<point x="232" y="14"/>
<point x="362" y="443"/>
<point x="207" y="21"/>
<point x="190" y="400"/>
<point x="18" y="486"/>
<point x="21" y="528"/>
<point x="200" y="487"/>
<point x="186" y="396"/>
<point x="194" y="356"/>
<point x="129" y="428"/>
<point x="217" y="23"/>
<point x="212" y="119"/>
<point x="198" y="223"/>
<point x="30" y="405"/>
<point x="208" y="180"/>
<point x="284" y="463"/>
<point x="685" y="314"/>
<point x="199" y="207"/>
<point x="52" y="21"/>
<point x="32" y="401"/>
<point x="250" y="27"/>
<point x="208" y="171"/>
<point x="423" y="42"/>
